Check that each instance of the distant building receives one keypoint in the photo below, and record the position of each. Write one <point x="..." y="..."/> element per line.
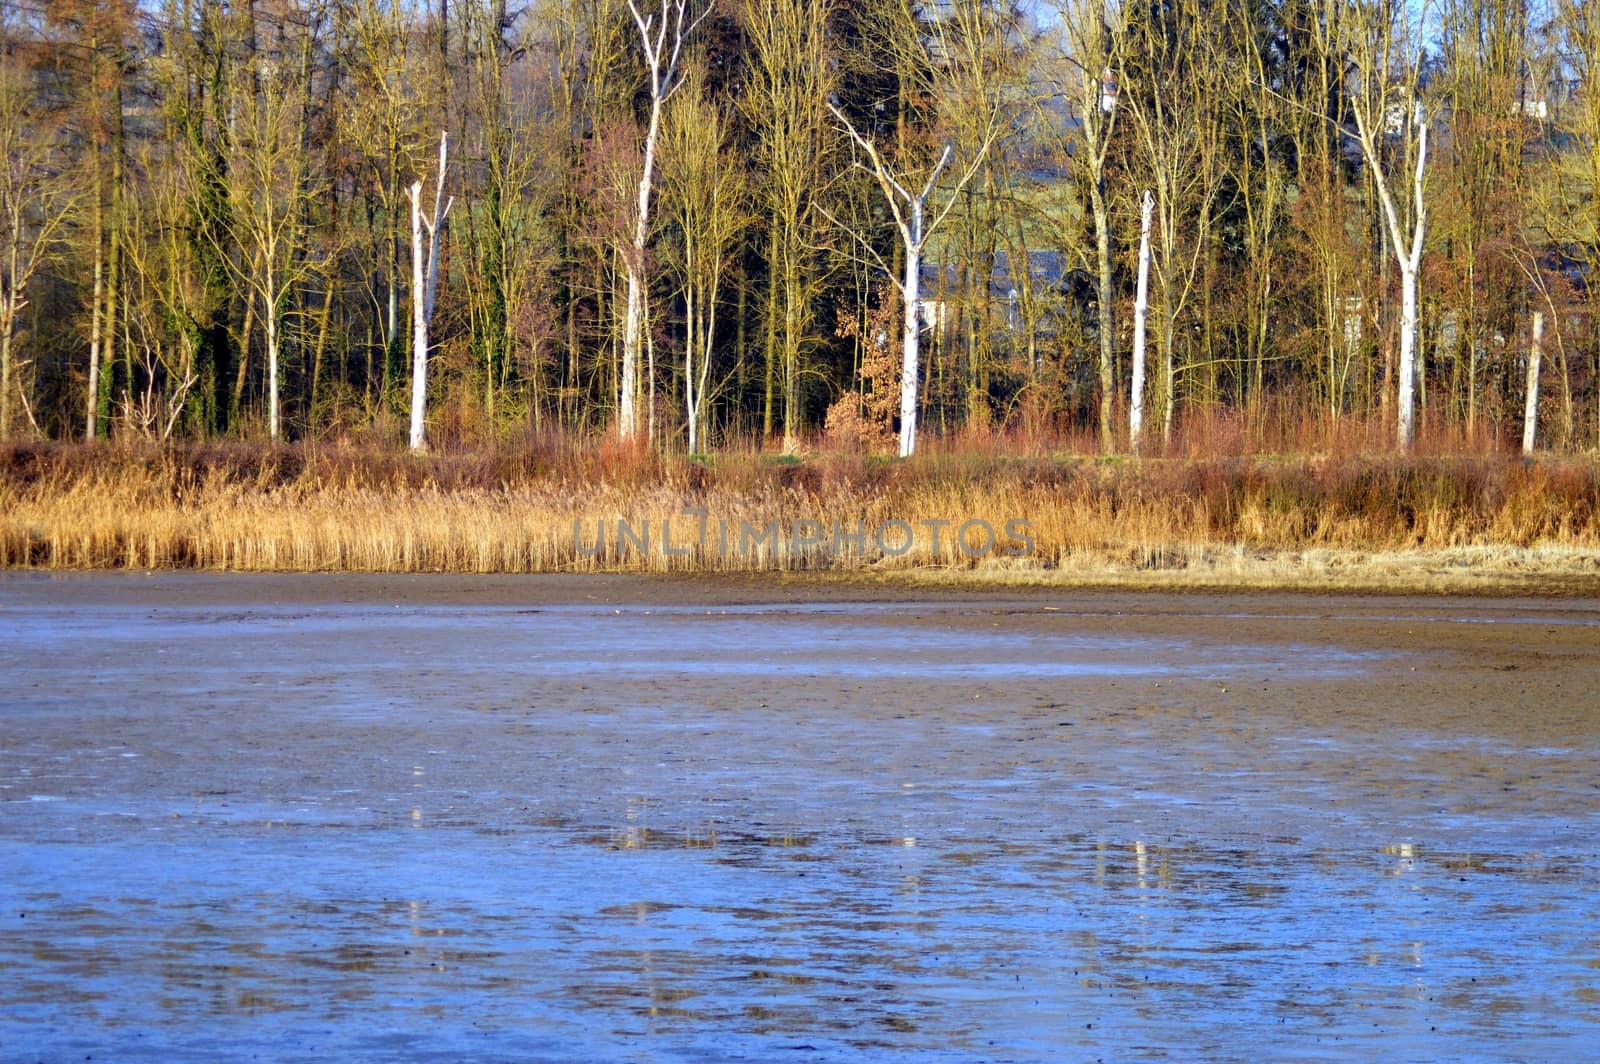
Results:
<point x="1055" y="288"/>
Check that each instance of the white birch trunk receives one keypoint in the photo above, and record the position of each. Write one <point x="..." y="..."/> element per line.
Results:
<point x="1409" y="260"/>
<point x="92" y="425"/>
<point x="708" y="335"/>
<point x="1410" y="326"/>
<point x="1141" y="316"/>
<point x="419" y="325"/>
<point x="649" y="375"/>
<point x="910" y="334"/>
<point x="1530" y="415"/>
<point x="440" y="209"/>
<point x="663" y="66"/>
<point x="272" y="357"/>
<point x="914" y="233"/>
<point x="701" y="320"/>
<point x="628" y="418"/>
<point x="691" y="393"/>
<point x="424" y="291"/>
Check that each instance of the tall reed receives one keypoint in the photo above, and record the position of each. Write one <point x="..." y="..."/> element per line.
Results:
<point x="551" y="507"/>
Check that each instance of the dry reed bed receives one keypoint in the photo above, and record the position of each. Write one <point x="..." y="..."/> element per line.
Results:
<point x="543" y="510"/>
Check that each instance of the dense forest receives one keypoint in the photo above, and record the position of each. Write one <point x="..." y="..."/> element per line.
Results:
<point x="692" y="223"/>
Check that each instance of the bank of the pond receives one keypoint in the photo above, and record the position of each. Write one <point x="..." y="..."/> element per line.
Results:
<point x="1430" y="523"/>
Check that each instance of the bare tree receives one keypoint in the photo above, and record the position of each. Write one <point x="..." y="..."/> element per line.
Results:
<point x="911" y="218"/>
<point x="270" y="183"/>
<point x="1169" y="90"/>
<point x="1260" y="173"/>
<point x="162" y="285"/>
<point x="95" y="59"/>
<point x="424" y="288"/>
<point x="386" y="139"/>
<point x="35" y="204"/>
<point x="789" y="78"/>
<point x="580" y="51"/>
<point x="701" y="192"/>
<point x="661" y="57"/>
<point x="1387" y="108"/>
<point x="1092" y="43"/>
<point x="503" y="229"/>
<point x="1489" y="100"/>
<point x="1570" y="208"/>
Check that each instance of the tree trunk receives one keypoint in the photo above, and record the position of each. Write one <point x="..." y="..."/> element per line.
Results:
<point x="662" y="64"/>
<point x="1410" y="322"/>
<point x="1409" y="261"/>
<point x="236" y="404"/>
<point x="1530" y="416"/>
<point x="627" y="417"/>
<point x="1107" y="295"/>
<point x="1141" y="313"/>
<point x="108" y="335"/>
<point x="324" y="326"/>
<point x="1169" y="343"/>
<point x="740" y="339"/>
<point x="909" y="335"/>
<point x="5" y="372"/>
<point x="271" y="318"/>
<point x="772" y="335"/>
<point x="691" y="395"/>
<point x="649" y="375"/>
<point x="419" y="325"/>
<point x="791" y="352"/>
<point x="424" y="290"/>
<point x="96" y="312"/>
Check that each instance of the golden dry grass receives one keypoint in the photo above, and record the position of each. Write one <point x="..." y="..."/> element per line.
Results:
<point x="1340" y="520"/>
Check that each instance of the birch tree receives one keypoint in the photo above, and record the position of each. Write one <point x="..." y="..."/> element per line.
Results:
<point x="1530" y="410"/>
<point x="1391" y="122"/>
<point x="424" y="288"/>
<point x="662" y="34"/>
<point x="915" y="223"/>
<point x="1141" y="314"/>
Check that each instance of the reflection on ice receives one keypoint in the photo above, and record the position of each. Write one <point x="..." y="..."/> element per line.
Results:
<point x="978" y="939"/>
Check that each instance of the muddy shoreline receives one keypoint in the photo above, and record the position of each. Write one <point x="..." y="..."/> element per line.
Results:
<point x="1400" y="619"/>
<point x="175" y="586"/>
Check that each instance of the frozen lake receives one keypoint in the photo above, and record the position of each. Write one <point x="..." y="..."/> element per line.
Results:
<point x="286" y="819"/>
